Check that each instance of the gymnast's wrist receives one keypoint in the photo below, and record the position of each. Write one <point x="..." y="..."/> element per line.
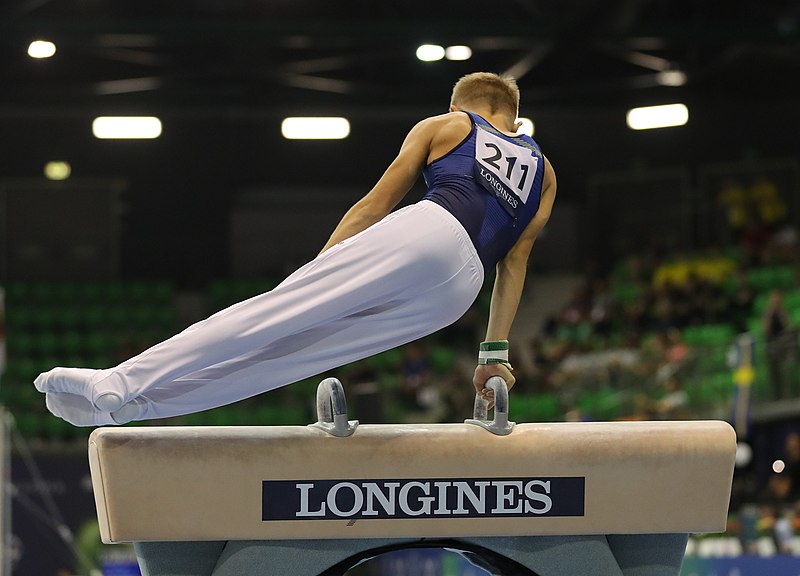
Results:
<point x="493" y="352"/>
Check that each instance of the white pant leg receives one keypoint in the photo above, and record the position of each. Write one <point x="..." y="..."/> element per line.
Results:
<point x="317" y="350"/>
<point x="411" y="255"/>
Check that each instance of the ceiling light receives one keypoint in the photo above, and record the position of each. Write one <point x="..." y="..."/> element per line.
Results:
<point x="657" y="116"/>
<point x="527" y="126"/>
<point x="41" y="49"/>
<point x="126" y="127"/>
<point x="671" y="78"/>
<point x="458" y="53"/>
<point x="57" y="170"/>
<point x="430" y="52"/>
<point x="315" y="128"/>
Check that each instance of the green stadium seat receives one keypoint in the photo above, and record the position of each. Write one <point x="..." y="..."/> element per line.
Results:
<point x="21" y="369"/>
<point x="118" y="317"/>
<point x="47" y="344"/>
<point x="43" y="293"/>
<point x="601" y="405"/>
<point x="625" y="292"/>
<point x="19" y="317"/>
<point x="137" y="292"/>
<point x="162" y="292"/>
<point x="115" y="293"/>
<point x="442" y="359"/>
<point x="20" y="344"/>
<point x="72" y="342"/>
<point x="714" y="359"/>
<point x="44" y="317"/>
<point x="90" y="293"/>
<point x="708" y="335"/>
<point x="772" y="277"/>
<point x="760" y="302"/>
<point x="534" y="408"/>
<point x="67" y="317"/>
<point x="66" y="294"/>
<point x="711" y="390"/>
<point x="791" y="300"/>
<point x="17" y="294"/>
<point x="755" y="325"/>
<point x="30" y="425"/>
<point x="386" y="361"/>
<point x="55" y="428"/>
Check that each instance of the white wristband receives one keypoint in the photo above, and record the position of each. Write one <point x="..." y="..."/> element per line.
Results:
<point x="493" y="352"/>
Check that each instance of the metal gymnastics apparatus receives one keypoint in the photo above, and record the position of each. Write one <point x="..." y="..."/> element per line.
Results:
<point x="554" y="498"/>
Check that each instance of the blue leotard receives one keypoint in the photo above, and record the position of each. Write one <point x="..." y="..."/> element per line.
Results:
<point x="492" y="184"/>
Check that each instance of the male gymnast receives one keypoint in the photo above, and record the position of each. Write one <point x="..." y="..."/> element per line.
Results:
<point x="385" y="277"/>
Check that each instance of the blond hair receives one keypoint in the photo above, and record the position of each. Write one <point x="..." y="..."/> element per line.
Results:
<point x="499" y="93"/>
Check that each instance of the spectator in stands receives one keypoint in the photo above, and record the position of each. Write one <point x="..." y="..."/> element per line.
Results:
<point x="778" y="341"/>
<point x="778" y="492"/>
<point x="415" y="369"/>
<point x="663" y="311"/>
<point x="673" y="405"/>
<point x="675" y="271"/>
<point x="454" y="404"/>
<point x="753" y="240"/>
<point x="784" y="246"/>
<point x="676" y="354"/>
<point x="603" y="306"/>
<point x="714" y="266"/>
<point x="768" y="202"/>
<point x="792" y="461"/>
<point x="734" y="201"/>
<point x="739" y="303"/>
<point x="677" y="350"/>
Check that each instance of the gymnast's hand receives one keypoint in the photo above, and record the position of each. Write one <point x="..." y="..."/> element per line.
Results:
<point x="485" y="371"/>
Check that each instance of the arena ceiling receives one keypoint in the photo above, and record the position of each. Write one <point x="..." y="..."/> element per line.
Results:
<point x="223" y="73"/>
<point x="322" y="54"/>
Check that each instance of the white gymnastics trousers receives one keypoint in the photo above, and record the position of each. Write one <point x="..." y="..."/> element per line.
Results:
<point x="411" y="274"/>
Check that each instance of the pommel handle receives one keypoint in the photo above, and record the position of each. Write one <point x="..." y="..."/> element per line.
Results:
<point x="332" y="409"/>
<point x="500" y="425"/>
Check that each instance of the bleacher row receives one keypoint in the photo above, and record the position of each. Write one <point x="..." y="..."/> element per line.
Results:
<point x="74" y="324"/>
<point x="712" y="343"/>
<point x="92" y="325"/>
<point x="98" y="325"/>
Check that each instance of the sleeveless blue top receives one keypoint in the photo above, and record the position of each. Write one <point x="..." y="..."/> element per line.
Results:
<point x="492" y="184"/>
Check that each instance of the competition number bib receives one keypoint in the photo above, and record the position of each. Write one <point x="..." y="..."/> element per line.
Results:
<point x="504" y="169"/>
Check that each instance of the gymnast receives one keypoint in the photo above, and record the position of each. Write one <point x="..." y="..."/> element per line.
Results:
<point x="385" y="277"/>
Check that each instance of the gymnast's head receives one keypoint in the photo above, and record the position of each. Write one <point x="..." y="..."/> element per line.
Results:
<point x="487" y="91"/>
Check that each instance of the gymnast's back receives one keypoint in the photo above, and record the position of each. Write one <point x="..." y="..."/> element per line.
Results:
<point x="490" y="181"/>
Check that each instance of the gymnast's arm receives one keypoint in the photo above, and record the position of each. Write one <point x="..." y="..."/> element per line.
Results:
<point x="510" y="280"/>
<point x="392" y="186"/>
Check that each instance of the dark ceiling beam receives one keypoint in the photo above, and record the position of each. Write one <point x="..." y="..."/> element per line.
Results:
<point x="317" y="83"/>
<point x="127" y="86"/>
<point x="129" y="56"/>
<point x="126" y="41"/>
<point x="28" y="6"/>
<point x="641" y="59"/>
<point x="528" y="62"/>
<point x="272" y="30"/>
<point x="496" y="33"/>
<point x="316" y="65"/>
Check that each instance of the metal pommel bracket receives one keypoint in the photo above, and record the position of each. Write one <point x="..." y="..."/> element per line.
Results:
<point x="332" y="410"/>
<point x="500" y="425"/>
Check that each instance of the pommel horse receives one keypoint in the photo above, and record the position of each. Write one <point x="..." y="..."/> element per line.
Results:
<point x="605" y="498"/>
